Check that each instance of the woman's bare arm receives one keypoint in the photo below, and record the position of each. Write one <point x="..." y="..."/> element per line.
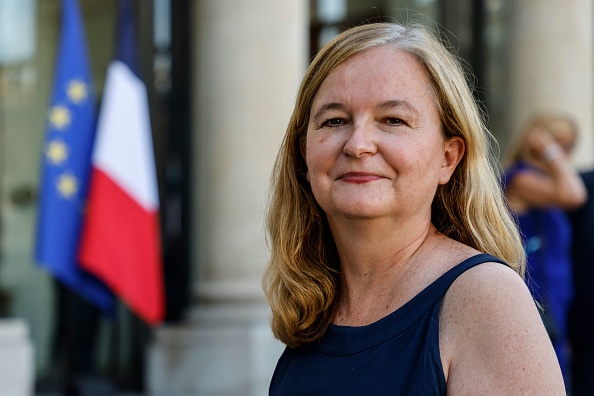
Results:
<point x="492" y="339"/>
<point x="557" y="184"/>
<point x="561" y="187"/>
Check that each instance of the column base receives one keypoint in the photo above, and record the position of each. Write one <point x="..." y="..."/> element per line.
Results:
<point x="16" y="358"/>
<point x="221" y="349"/>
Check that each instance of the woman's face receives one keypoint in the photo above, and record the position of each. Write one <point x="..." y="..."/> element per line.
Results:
<point x="374" y="145"/>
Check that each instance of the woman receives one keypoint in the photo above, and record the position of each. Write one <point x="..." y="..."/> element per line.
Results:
<point x="383" y="199"/>
<point x="541" y="184"/>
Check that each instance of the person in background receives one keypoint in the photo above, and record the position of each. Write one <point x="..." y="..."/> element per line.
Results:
<point x="390" y="235"/>
<point x="540" y="184"/>
<point x="581" y="313"/>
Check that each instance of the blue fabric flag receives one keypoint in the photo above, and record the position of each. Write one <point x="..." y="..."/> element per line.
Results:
<point x="127" y="47"/>
<point x="66" y="163"/>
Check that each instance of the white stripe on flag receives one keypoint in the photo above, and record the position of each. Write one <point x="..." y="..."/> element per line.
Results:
<point x="123" y="148"/>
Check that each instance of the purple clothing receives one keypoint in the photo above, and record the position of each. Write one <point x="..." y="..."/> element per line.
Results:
<point x="546" y="233"/>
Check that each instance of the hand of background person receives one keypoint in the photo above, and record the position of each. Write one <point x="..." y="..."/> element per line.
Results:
<point x="556" y="183"/>
<point x="542" y="146"/>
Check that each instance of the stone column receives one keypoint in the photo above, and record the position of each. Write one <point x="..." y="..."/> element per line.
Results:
<point x="249" y="57"/>
<point x="17" y="358"/>
<point x="552" y="44"/>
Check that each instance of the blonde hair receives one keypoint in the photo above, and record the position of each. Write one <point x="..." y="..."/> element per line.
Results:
<point x="302" y="276"/>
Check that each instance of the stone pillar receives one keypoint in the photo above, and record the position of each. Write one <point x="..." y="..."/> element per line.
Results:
<point x="552" y="44"/>
<point x="249" y="57"/>
<point x="17" y="358"/>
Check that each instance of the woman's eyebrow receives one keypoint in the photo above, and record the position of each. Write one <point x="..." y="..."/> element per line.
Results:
<point x="326" y="107"/>
<point x="390" y="104"/>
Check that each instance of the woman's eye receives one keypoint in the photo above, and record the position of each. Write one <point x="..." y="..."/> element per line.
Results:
<point x="334" y="122"/>
<point x="394" y="121"/>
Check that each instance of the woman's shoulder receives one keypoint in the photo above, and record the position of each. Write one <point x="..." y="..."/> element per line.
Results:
<point x="487" y="288"/>
<point x="487" y="291"/>
<point x="489" y="277"/>
<point x="492" y="337"/>
<point x="483" y="278"/>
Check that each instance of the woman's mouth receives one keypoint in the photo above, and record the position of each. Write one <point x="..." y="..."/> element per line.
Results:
<point x="359" y="177"/>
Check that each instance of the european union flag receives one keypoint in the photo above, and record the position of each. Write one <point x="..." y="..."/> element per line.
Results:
<point x="66" y="163"/>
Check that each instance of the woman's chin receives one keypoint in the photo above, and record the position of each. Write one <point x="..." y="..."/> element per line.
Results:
<point x="358" y="210"/>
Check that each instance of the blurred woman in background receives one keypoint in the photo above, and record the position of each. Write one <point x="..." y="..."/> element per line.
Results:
<point x="540" y="184"/>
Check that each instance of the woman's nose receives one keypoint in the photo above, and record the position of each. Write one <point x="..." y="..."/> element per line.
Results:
<point x="361" y="140"/>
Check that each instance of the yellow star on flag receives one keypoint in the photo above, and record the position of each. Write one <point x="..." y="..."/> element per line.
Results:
<point x="56" y="152"/>
<point x="59" y="117"/>
<point x="67" y="185"/>
<point x="77" y="91"/>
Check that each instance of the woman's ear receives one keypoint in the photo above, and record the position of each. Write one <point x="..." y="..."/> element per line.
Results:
<point x="454" y="149"/>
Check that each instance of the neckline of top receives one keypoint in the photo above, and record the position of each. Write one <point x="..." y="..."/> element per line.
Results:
<point x="345" y="340"/>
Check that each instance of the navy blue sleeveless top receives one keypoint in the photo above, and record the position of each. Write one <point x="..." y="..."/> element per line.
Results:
<point x="397" y="355"/>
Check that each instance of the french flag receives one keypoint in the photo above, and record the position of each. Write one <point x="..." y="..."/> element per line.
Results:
<point x="121" y="241"/>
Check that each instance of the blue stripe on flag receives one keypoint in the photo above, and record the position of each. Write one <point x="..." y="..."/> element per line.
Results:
<point x="127" y="48"/>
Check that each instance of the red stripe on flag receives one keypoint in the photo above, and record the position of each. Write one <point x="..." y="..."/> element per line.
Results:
<point x="121" y="245"/>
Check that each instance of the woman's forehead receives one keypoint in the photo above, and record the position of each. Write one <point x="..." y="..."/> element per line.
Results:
<point x="385" y="73"/>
